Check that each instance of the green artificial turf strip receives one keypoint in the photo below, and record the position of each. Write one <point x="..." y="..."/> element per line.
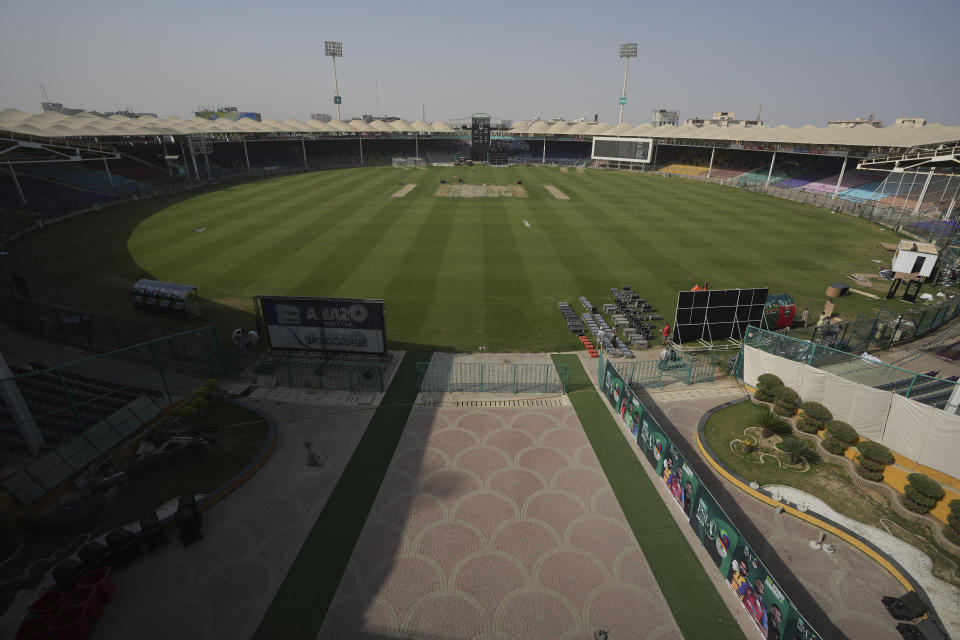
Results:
<point x="302" y="601"/>
<point x="456" y="273"/>
<point x="693" y="600"/>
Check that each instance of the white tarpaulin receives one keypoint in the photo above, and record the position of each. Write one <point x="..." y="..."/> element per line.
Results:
<point x="941" y="447"/>
<point x="907" y="424"/>
<point x="870" y="409"/>
<point x="838" y="397"/>
<point x="814" y="384"/>
<point x="753" y="364"/>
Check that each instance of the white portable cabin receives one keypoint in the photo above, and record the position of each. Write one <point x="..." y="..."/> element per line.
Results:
<point x="916" y="258"/>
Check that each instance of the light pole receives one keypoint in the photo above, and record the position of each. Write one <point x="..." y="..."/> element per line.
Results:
<point x="627" y="50"/>
<point x="335" y="50"/>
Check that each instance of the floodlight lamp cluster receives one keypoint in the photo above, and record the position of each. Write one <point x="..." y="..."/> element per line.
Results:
<point x="628" y="50"/>
<point x="335" y="49"/>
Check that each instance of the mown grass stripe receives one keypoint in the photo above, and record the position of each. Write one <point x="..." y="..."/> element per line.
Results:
<point x="301" y="603"/>
<point x="694" y="602"/>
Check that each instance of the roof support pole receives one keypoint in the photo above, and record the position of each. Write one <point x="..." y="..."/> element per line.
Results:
<point x="106" y="168"/>
<point x="770" y="173"/>
<point x="544" y="160"/>
<point x="907" y="194"/>
<point x="246" y="156"/>
<point x="710" y="168"/>
<point x="836" y="190"/>
<point x="923" y="192"/>
<point x="360" y="140"/>
<point x="206" y="161"/>
<point x="16" y="183"/>
<point x="19" y="410"/>
<point x="303" y="143"/>
<point x="416" y="146"/>
<point x="953" y="202"/>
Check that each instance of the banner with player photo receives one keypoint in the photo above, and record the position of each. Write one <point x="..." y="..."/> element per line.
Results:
<point x="759" y="594"/>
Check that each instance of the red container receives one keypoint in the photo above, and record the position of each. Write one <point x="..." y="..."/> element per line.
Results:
<point x="99" y="578"/>
<point x="47" y="604"/>
<point x="34" y="629"/>
<point x="71" y="624"/>
<point x="86" y="600"/>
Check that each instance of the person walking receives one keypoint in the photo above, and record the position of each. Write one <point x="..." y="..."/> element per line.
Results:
<point x="666" y="334"/>
<point x="805" y="316"/>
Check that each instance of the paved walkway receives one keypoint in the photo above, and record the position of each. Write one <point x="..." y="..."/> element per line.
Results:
<point x="497" y="523"/>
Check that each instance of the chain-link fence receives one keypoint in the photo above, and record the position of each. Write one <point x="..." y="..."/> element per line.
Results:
<point x="362" y="374"/>
<point x="492" y="377"/>
<point x="886" y="328"/>
<point x="679" y="367"/>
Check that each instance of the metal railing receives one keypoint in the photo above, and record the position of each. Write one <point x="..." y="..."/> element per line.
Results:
<point x="491" y="377"/>
<point x="309" y="373"/>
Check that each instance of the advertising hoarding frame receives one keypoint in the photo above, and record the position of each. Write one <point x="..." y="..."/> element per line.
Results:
<point x="322" y="325"/>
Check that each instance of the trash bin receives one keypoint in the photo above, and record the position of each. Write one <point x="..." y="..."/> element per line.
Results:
<point x="70" y="624"/>
<point x="123" y="545"/>
<point x="151" y="531"/>
<point x="66" y="574"/>
<point x="101" y="580"/>
<point x="188" y="522"/>
<point x="94" y="555"/>
<point x="84" y="598"/>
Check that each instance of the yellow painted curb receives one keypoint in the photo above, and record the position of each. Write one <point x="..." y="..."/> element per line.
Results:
<point x="826" y="526"/>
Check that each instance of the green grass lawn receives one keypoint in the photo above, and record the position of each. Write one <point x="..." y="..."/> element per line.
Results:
<point x="827" y="481"/>
<point x="456" y="272"/>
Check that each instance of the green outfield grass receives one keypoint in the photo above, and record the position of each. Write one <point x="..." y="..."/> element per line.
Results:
<point x="456" y="273"/>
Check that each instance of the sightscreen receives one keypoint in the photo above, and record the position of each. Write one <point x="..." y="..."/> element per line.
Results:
<point x="622" y="149"/>
<point x="717" y="314"/>
<point x="349" y="325"/>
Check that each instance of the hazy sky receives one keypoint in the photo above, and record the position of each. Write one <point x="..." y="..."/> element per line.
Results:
<point x="806" y="61"/>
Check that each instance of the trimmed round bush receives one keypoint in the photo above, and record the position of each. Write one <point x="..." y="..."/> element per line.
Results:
<point x="842" y="431"/>
<point x="874" y="451"/>
<point x="835" y="446"/>
<point x="211" y="384"/>
<point x="869" y="464"/>
<point x="955" y="509"/>
<point x="786" y="395"/>
<point x="808" y="425"/>
<point x="922" y="493"/>
<point x="785" y="410"/>
<point x="769" y="381"/>
<point x="199" y="404"/>
<point x="875" y="476"/>
<point x="201" y="392"/>
<point x="189" y="413"/>
<point x="952" y="529"/>
<point x="817" y="411"/>
<point x="764" y="396"/>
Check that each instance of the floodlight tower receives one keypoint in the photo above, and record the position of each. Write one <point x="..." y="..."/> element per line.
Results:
<point x="627" y="50"/>
<point x="334" y="50"/>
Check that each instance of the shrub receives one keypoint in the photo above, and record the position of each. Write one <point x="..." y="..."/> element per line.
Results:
<point x="189" y="413"/>
<point x="199" y="403"/>
<point x="763" y="396"/>
<point x="201" y="392"/>
<point x="842" y="431"/>
<point x="770" y="422"/>
<point x="808" y="424"/>
<point x="797" y="449"/>
<point x="769" y="381"/>
<point x="870" y="465"/>
<point x="875" y="452"/>
<point x="212" y="384"/>
<point x="835" y="446"/>
<point x="816" y="411"/>
<point x="922" y="493"/>
<point x="952" y="529"/>
<point x="786" y="395"/>
<point x="875" y="476"/>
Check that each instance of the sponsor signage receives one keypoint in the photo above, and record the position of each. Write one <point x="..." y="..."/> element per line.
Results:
<point x="323" y="324"/>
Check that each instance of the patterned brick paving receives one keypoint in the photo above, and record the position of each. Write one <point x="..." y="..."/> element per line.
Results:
<point x="496" y="523"/>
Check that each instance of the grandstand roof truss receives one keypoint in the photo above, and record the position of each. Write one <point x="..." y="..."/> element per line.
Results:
<point x="24" y="151"/>
<point x="943" y="160"/>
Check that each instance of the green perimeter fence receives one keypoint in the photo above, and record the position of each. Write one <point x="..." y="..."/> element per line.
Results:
<point x="920" y="387"/>
<point x="492" y="377"/>
<point x="680" y="367"/>
<point x="886" y="328"/>
<point x="311" y="373"/>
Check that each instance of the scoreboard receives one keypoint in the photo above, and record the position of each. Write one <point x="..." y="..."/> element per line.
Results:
<point x="622" y="149"/>
<point x="480" y="137"/>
